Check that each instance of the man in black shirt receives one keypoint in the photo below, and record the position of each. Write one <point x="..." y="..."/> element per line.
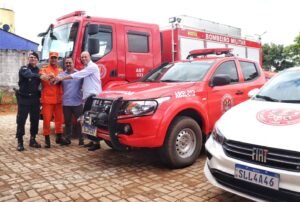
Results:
<point x="28" y="97"/>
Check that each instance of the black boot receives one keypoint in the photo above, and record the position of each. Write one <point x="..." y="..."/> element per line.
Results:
<point x="58" y="138"/>
<point x="64" y="141"/>
<point x="91" y="143"/>
<point x="47" y="141"/>
<point x="81" y="142"/>
<point x="33" y="143"/>
<point x="20" y="144"/>
<point x="95" y="146"/>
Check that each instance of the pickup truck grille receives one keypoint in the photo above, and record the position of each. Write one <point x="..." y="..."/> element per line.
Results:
<point x="101" y="105"/>
<point x="271" y="157"/>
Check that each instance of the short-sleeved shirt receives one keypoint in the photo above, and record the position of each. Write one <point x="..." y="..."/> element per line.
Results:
<point x="72" y="90"/>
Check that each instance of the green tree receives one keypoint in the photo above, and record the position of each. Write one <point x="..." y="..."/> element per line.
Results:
<point x="293" y="51"/>
<point x="276" y="56"/>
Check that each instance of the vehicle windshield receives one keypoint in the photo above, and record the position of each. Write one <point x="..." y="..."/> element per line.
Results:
<point x="285" y="87"/>
<point x="180" y="72"/>
<point x="61" y="40"/>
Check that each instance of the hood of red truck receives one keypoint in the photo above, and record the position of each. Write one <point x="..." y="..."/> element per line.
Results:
<point x="147" y="90"/>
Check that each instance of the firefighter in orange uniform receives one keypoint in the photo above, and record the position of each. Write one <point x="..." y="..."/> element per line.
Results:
<point x="51" y="100"/>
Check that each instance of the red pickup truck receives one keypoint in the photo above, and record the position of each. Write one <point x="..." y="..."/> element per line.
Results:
<point x="175" y="106"/>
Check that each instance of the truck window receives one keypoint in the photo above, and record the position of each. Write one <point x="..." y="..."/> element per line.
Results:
<point x="249" y="70"/>
<point x="138" y="42"/>
<point x="105" y="41"/>
<point x="228" y="68"/>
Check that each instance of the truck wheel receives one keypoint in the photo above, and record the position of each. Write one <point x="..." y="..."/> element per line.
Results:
<point x="183" y="143"/>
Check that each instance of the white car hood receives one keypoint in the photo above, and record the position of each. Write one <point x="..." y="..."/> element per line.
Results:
<point x="253" y="122"/>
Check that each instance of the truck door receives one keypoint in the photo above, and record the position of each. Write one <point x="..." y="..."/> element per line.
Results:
<point x="222" y="98"/>
<point x="139" y="52"/>
<point x="106" y="58"/>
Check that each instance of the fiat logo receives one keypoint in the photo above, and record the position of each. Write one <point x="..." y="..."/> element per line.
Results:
<point x="259" y="155"/>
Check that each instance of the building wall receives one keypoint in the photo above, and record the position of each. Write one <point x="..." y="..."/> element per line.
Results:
<point x="10" y="63"/>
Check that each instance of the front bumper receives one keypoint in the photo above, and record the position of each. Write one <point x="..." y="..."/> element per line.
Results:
<point x="219" y="170"/>
<point x="138" y="131"/>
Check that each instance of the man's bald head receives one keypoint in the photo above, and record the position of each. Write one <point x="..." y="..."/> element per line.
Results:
<point x="85" y="57"/>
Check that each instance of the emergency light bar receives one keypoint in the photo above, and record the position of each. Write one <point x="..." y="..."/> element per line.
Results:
<point x="208" y="51"/>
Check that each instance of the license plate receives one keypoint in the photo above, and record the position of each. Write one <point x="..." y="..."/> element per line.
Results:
<point x="89" y="129"/>
<point x="257" y="176"/>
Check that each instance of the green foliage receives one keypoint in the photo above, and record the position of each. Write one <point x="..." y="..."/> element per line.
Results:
<point x="293" y="51"/>
<point x="275" y="56"/>
<point x="281" y="57"/>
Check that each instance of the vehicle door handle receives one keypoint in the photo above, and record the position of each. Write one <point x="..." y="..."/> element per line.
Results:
<point x="239" y="92"/>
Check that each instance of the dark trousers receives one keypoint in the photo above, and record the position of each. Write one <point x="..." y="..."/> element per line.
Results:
<point x="34" y="112"/>
<point x="69" y="113"/>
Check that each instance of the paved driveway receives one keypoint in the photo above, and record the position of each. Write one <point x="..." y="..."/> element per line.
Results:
<point x="74" y="174"/>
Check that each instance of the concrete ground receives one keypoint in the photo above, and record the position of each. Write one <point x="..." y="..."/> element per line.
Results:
<point x="71" y="173"/>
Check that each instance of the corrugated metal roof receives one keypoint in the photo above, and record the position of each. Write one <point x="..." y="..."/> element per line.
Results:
<point x="12" y="41"/>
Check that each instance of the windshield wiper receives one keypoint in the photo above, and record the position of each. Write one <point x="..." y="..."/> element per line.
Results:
<point x="170" y="80"/>
<point x="267" y="98"/>
<point x="290" y="101"/>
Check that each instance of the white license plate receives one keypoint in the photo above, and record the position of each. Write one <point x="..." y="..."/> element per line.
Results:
<point x="89" y="129"/>
<point x="257" y="176"/>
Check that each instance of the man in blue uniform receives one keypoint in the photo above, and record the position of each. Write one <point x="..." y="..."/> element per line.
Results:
<point x="28" y="97"/>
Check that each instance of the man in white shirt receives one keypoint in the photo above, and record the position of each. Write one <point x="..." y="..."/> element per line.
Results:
<point x="91" y="86"/>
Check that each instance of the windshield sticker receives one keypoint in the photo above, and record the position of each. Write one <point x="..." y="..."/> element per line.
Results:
<point x="279" y="117"/>
<point x="185" y="93"/>
<point x="226" y="103"/>
<point x="118" y="92"/>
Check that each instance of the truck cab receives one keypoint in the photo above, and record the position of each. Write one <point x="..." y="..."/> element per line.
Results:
<point x="174" y="107"/>
<point x="123" y="50"/>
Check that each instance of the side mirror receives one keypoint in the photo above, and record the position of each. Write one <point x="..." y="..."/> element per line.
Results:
<point x="93" y="45"/>
<point x="253" y="92"/>
<point x="93" y="29"/>
<point x="220" y="80"/>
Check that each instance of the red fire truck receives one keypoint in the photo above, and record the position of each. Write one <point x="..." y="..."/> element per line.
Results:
<point x="126" y="51"/>
<point x="182" y="88"/>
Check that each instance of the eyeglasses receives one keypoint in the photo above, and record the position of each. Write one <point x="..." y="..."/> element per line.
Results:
<point x="68" y="63"/>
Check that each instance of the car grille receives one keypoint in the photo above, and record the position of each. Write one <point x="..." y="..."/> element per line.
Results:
<point x="264" y="193"/>
<point x="275" y="158"/>
<point x="101" y="105"/>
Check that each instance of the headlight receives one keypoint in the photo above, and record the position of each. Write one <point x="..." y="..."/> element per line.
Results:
<point x="218" y="136"/>
<point x="137" y="108"/>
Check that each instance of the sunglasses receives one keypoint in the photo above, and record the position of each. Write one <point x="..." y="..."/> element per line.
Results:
<point x="68" y="63"/>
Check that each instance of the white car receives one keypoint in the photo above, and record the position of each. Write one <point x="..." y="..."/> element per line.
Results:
<point x="254" y="150"/>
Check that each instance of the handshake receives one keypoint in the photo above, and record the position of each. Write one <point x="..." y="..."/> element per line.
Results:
<point x="51" y="78"/>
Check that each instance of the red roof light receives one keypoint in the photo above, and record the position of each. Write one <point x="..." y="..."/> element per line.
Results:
<point x="208" y="51"/>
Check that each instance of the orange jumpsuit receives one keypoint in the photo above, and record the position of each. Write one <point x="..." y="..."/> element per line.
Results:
<point x="51" y="100"/>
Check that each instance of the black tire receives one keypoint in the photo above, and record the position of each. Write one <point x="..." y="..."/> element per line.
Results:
<point x="183" y="143"/>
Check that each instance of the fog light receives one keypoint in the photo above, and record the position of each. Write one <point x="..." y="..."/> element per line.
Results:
<point x="127" y="129"/>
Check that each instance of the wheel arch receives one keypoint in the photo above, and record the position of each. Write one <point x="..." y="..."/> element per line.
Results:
<point x="199" y="115"/>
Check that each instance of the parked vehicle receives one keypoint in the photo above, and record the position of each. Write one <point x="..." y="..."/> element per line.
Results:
<point x="254" y="150"/>
<point x="126" y="51"/>
<point x="174" y="107"/>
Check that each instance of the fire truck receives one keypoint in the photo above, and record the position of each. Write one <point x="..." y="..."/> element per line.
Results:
<point x="183" y="82"/>
<point x="126" y="51"/>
